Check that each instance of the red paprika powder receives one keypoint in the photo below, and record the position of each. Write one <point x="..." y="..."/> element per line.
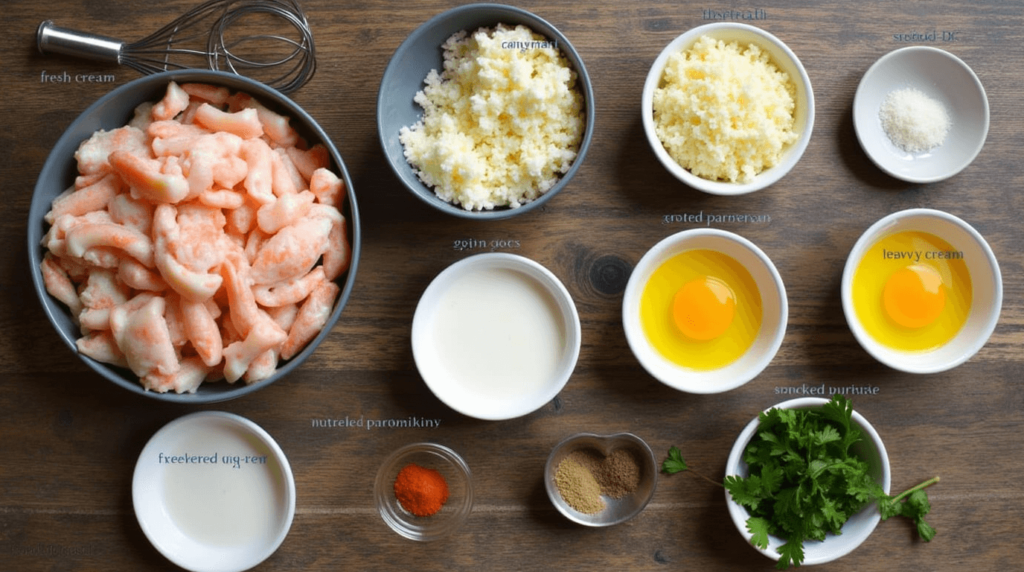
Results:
<point x="421" y="491"/>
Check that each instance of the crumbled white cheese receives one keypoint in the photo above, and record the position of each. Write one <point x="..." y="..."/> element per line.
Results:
<point x="723" y="111"/>
<point x="913" y="121"/>
<point x="501" y="123"/>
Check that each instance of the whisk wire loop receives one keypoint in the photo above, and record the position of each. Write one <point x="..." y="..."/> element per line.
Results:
<point x="303" y="52"/>
<point x="218" y="49"/>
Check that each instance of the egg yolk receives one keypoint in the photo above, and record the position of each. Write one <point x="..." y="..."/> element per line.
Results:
<point x="704" y="308"/>
<point x="914" y="296"/>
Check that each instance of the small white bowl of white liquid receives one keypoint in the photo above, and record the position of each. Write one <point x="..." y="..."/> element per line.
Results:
<point x="496" y="336"/>
<point x="214" y="492"/>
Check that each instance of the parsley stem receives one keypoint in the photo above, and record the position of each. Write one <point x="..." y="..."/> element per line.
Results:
<point x="708" y="479"/>
<point x="910" y="491"/>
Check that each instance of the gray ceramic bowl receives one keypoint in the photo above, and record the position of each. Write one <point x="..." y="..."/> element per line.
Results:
<point x="420" y="53"/>
<point x="617" y="510"/>
<point x="115" y="110"/>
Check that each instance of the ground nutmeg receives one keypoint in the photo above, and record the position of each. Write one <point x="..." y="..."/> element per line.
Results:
<point x="420" y="490"/>
<point x="584" y="475"/>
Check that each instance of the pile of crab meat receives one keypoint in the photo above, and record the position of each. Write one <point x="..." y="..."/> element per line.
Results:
<point x="200" y="242"/>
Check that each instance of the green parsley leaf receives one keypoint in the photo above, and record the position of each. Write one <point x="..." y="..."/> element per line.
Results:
<point x="827" y="435"/>
<point x="840" y="411"/>
<point x="912" y="503"/>
<point x="674" y="463"/>
<point x="791" y="553"/>
<point x="787" y="503"/>
<point x="918" y="504"/>
<point x="890" y="509"/>
<point x="771" y="479"/>
<point x="746" y="492"/>
<point x="833" y="515"/>
<point x="926" y="532"/>
<point x="863" y="488"/>
<point x="816" y="468"/>
<point x="759" y="529"/>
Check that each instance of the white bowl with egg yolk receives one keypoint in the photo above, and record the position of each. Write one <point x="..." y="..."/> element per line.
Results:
<point x="766" y="343"/>
<point x="986" y="286"/>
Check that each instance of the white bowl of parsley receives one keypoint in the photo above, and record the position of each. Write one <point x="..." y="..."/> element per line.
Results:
<point x="785" y="452"/>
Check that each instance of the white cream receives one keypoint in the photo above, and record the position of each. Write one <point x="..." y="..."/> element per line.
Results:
<point x="499" y="333"/>
<point x="213" y="491"/>
<point x="237" y="500"/>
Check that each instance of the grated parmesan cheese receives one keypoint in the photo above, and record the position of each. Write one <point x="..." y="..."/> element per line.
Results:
<point x="723" y="111"/>
<point x="501" y="123"/>
<point x="913" y="121"/>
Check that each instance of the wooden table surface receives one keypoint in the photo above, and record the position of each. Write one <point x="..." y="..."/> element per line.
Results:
<point x="69" y="440"/>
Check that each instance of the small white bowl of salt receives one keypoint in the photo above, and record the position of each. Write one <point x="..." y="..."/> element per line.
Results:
<point x="921" y="114"/>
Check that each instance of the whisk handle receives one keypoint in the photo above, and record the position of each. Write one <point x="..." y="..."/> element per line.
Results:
<point x="54" y="40"/>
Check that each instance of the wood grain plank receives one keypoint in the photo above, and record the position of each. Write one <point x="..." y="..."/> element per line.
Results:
<point x="71" y="439"/>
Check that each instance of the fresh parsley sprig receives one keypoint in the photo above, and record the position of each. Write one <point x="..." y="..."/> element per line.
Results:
<point x="674" y="463"/>
<point x="804" y="480"/>
<point x="913" y="504"/>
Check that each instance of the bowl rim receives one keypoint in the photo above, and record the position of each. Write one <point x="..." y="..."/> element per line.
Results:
<point x="762" y="180"/>
<point x="874" y="152"/>
<point x="739" y="514"/>
<point x="676" y="244"/>
<point x="85" y="120"/>
<point x="383" y="490"/>
<point x="551" y="466"/>
<point x="891" y="358"/>
<point x="147" y="508"/>
<point x="537" y="273"/>
<point x="426" y="194"/>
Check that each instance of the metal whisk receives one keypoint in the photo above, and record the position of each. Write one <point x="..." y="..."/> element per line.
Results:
<point x="261" y="53"/>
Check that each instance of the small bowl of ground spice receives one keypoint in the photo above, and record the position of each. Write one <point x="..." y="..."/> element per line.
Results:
<point x="424" y="491"/>
<point x="601" y="480"/>
<point x="921" y="114"/>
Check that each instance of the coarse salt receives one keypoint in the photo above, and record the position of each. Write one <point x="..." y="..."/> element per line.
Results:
<point x="913" y="121"/>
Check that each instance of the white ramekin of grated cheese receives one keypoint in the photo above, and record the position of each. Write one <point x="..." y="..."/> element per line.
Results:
<point x="719" y="156"/>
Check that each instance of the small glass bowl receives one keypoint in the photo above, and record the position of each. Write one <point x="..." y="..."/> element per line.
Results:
<point x="617" y="510"/>
<point x="460" y="491"/>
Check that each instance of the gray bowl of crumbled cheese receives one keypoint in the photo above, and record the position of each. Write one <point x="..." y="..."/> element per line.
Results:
<point x="485" y="111"/>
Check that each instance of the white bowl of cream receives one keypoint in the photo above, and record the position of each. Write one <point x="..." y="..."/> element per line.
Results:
<point x="214" y="492"/>
<point x="496" y="336"/>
